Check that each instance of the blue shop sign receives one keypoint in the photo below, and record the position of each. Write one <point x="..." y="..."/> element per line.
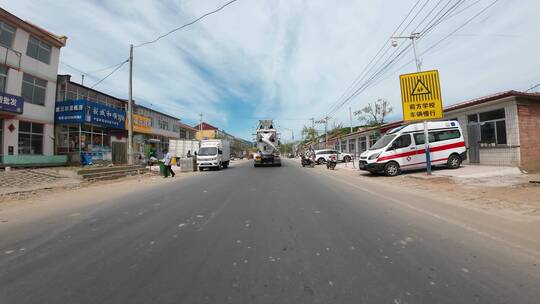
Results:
<point x="69" y="112"/>
<point x="85" y="111"/>
<point x="11" y="103"/>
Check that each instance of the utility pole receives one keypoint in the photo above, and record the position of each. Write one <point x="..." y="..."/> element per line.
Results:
<point x="130" y="108"/>
<point x="312" y="122"/>
<point x="82" y="79"/>
<point x="200" y="121"/>
<point x="414" y="37"/>
<point x="325" y="122"/>
<point x="350" y="118"/>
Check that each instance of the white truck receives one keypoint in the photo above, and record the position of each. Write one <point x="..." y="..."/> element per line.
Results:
<point x="267" y="140"/>
<point x="180" y="147"/>
<point x="213" y="153"/>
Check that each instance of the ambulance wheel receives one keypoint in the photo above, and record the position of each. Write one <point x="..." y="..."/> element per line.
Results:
<point x="454" y="161"/>
<point x="347" y="159"/>
<point x="391" y="169"/>
<point x="321" y="161"/>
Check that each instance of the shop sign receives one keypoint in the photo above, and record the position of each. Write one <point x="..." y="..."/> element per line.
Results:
<point x="69" y="112"/>
<point x="141" y="124"/>
<point x="84" y="111"/>
<point x="104" y="115"/>
<point x="11" y="103"/>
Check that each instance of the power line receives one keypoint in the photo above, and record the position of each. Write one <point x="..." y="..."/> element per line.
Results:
<point x="73" y="68"/>
<point x="360" y="77"/>
<point x="437" y="43"/>
<point x="533" y="87"/>
<point x="104" y="69"/>
<point x="389" y="62"/>
<point x="391" y="59"/>
<point x="461" y="26"/>
<point x="187" y="24"/>
<point x="112" y="72"/>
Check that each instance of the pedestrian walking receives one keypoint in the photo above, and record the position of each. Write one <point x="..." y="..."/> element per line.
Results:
<point x="167" y="163"/>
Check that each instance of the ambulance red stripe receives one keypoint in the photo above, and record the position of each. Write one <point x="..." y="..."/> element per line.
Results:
<point x="433" y="161"/>
<point x="422" y="151"/>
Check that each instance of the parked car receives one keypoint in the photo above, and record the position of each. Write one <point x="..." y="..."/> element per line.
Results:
<point x="402" y="148"/>
<point x="322" y="156"/>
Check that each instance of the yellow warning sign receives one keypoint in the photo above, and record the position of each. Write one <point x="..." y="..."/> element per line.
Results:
<point x="421" y="96"/>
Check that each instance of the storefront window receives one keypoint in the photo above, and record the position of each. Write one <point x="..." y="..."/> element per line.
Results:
<point x="30" y="138"/>
<point x="352" y="145"/>
<point x="362" y="144"/>
<point x="92" y="139"/>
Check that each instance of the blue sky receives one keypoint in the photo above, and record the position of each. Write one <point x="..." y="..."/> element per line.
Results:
<point x="284" y="59"/>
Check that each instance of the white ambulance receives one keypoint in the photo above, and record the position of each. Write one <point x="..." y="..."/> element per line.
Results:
<point x="403" y="148"/>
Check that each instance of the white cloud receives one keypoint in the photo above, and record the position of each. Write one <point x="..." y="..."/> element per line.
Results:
<point x="281" y="58"/>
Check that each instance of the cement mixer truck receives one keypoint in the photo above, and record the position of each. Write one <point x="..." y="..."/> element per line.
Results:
<point x="267" y="140"/>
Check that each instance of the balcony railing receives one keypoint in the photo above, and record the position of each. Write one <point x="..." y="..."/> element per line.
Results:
<point x="10" y="57"/>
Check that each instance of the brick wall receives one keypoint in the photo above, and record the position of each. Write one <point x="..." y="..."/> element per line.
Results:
<point x="529" y="129"/>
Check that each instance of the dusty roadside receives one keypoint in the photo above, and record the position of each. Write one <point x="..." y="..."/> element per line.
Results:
<point x="67" y="200"/>
<point x="513" y="193"/>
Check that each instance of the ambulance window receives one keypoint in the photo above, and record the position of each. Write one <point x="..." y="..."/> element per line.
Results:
<point x="402" y="142"/>
<point x="446" y="135"/>
<point x="419" y="138"/>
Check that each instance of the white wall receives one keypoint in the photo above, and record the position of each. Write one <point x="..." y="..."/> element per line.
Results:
<point x="34" y="113"/>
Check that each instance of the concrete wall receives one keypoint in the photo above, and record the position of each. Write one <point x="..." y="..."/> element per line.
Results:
<point x="508" y="155"/>
<point x="529" y="129"/>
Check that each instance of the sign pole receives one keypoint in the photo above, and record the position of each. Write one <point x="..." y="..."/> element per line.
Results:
<point x="415" y="36"/>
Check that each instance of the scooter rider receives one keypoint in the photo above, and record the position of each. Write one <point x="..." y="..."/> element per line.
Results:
<point x="310" y="154"/>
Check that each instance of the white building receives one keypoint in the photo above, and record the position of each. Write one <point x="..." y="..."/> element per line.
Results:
<point x="29" y="57"/>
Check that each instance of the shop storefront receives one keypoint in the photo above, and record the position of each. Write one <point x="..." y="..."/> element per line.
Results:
<point x="142" y="134"/>
<point x="89" y="127"/>
<point x="10" y="107"/>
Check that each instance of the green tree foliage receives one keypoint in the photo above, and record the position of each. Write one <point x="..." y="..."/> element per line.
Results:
<point x="309" y="133"/>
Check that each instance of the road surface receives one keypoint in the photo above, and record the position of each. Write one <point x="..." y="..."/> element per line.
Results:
<point x="256" y="235"/>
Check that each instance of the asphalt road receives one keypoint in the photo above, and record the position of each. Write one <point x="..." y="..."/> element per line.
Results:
<point x="257" y="235"/>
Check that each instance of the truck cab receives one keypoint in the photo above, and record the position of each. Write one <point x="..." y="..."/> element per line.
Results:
<point x="213" y="154"/>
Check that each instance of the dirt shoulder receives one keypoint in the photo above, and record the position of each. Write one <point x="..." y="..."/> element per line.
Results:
<point x="511" y="193"/>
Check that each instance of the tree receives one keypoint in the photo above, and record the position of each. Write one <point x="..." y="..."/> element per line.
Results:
<point x="374" y="113"/>
<point x="309" y="133"/>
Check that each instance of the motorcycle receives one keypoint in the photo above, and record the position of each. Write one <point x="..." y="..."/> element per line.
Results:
<point x="331" y="163"/>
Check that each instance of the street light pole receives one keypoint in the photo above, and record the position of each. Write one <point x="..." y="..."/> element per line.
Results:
<point x="414" y="37"/>
<point x="130" y="108"/>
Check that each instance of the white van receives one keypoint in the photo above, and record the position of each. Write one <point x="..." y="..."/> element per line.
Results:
<point x="402" y="148"/>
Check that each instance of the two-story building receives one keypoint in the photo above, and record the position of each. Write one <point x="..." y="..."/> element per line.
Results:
<point x="89" y="121"/>
<point x="29" y="57"/>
